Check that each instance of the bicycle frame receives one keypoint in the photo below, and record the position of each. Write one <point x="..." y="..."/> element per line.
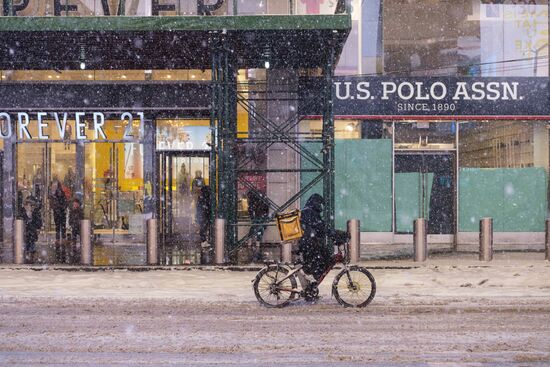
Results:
<point x="339" y="257"/>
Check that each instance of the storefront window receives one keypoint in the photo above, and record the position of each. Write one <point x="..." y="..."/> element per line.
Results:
<point x="376" y="129"/>
<point x="343" y="129"/>
<point x="114" y="198"/>
<point x="477" y="38"/>
<point x="103" y="75"/>
<point x="183" y="135"/>
<point x="425" y="135"/>
<point x="500" y="144"/>
<point x="425" y="175"/>
<point x="46" y="186"/>
<point x="503" y="170"/>
<point x="102" y="174"/>
<point x="183" y="151"/>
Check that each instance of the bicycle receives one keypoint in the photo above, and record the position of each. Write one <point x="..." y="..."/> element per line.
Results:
<point x="276" y="285"/>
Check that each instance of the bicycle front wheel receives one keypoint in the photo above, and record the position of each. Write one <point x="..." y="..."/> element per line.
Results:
<point x="270" y="288"/>
<point x="354" y="287"/>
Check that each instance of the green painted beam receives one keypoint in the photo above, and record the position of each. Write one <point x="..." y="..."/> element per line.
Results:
<point x="176" y="23"/>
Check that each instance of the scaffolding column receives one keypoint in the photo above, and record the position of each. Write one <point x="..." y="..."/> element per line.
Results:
<point x="214" y="144"/>
<point x="328" y="148"/>
<point x="225" y="83"/>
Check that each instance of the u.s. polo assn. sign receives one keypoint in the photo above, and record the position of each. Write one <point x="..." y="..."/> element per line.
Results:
<point x="445" y="96"/>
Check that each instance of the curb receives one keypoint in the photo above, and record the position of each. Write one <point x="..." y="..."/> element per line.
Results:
<point x="234" y="268"/>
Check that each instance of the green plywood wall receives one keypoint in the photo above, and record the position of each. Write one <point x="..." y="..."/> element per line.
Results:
<point x="408" y="199"/>
<point x="362" y="182"/>
<point x="516" y="199"/>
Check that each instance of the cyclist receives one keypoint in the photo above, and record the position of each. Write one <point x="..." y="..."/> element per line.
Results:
<point x="316" y="256"/>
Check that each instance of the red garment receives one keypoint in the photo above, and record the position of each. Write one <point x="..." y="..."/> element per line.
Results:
<point x="66" y="191"/>
<point x="313" y="6"/>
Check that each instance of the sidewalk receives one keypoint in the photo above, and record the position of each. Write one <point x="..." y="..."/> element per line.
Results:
<point x="404" y="251"/>
<point x="380" y="261"/>
<point x="457" y="276"/>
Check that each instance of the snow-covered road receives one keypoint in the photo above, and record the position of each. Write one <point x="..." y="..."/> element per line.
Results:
<point x="438" y="315"/>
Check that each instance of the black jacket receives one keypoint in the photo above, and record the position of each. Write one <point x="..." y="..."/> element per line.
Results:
<point x="257" y="206"/>
<point x="75" y="216"/>
<point x="316" y="256"/>
<point x="58" y="202"/>
<point x="33" y="223"/>
<point x="203" y="206"/>
<point x="312" y="221"/>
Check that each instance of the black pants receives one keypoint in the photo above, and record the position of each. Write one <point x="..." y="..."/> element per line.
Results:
<point x="316" y="258"/>
<point x="60" y="225"/>
<point x="60" y="229"/>
<point x="73" y="253"/>
<point x="203" y="229"/>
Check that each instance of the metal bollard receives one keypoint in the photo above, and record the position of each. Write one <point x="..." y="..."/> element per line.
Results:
<point x="152" y="243"/>
<point x="86" y="255"/>
<point x="547" y="240"/>
<point x="219" y="237"/>
<point x="486" y="239"/>
<point x="19" y="242"/>
<point x="354" y="230"/>
<point x="420" y="240"/>
<point x="286" y="253"/>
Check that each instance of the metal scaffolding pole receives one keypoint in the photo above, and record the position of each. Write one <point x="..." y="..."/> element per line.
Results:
<point x="224" y="126"/>
<point x="328" y="149"/>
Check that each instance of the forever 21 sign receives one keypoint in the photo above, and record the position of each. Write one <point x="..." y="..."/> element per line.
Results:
<point x="88" y="125"/>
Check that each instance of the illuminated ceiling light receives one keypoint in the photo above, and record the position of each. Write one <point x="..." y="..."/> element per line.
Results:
<point x="82" y="65"/>
<point x="267" y="65"/>
<point x="3" y="77"/>
<point x="192" y="76"/>
<point x="49" y="76"/>
<point x="57" y="76"/>
<point x="123" y="76"/>
<point x="169" y="76"/>
<point x="90" y="76"/>
<point x="350" y="127"/>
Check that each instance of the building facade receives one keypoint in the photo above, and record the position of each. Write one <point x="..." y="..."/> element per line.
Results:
<point x="130" y="110"/>
<point x="440" y="111"/>
<point x="443" y="106"/>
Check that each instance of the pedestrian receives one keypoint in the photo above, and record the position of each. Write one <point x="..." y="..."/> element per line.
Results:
<point x="316" y="256"/>
<point x="203" y="214"/>
<point x="67" y="137"/>
<point x="198" y="183"/>
<point x="69" y="182"/>
<point x="258" y="210"/>
<point x="33" y="223"/>
<point x="58" y="204"/>
<point x="183" y="180"/>
<point x="76" y="214"/>
<point x="196" y="186"/>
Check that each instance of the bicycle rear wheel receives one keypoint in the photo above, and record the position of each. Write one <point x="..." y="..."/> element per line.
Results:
<point x="270" y="290"/>
<point x="354" y="287"/>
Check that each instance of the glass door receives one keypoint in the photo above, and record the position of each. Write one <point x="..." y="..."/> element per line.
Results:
<point x="424" y="188"/>
<point x="114" y="190"/>
<point x="46" y="186"/>
<point x="181" y="224"/>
